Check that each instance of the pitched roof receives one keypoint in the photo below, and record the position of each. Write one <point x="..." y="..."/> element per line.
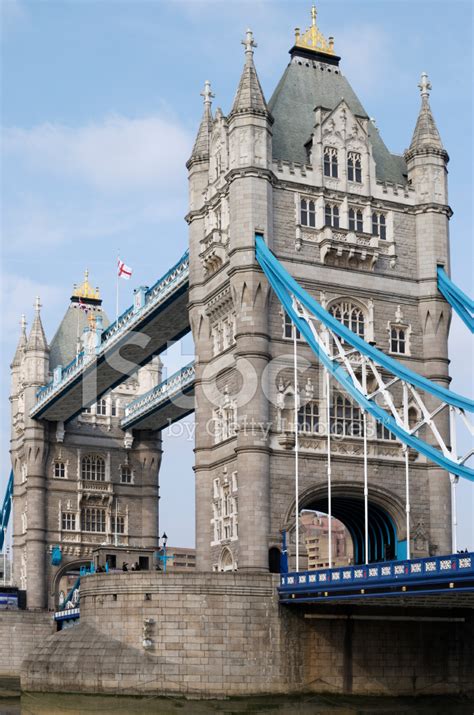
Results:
<point x="249" y="94"/>
<point x="64" y="344"/>
<point x="201" y="145"/>
<point x="37" y="339"/>
<point x="306" y="85"/>
<point x="426" y="132"/>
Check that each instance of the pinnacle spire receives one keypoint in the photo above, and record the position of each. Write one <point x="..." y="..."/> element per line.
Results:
<point x="249" y="96"/>
<point x="201" y="145"/>
<point x="426" y="134"/>
<point x="37" y="339"/>
<point x="20" y="349"/>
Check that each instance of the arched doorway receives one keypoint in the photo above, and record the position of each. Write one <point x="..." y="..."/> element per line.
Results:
<point x="274" y="556"/>
<point x="349" y="509"/>
<point x="226" y="561"/>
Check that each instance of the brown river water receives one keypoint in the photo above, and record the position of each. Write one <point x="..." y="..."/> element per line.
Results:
<point x="52" y="704"/>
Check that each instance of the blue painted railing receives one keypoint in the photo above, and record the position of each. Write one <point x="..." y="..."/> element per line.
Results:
<point x="6" y="510"/>
<point x="130" y="319"/>
<point x="326" y="583"/>
<point x="162" y="393"/>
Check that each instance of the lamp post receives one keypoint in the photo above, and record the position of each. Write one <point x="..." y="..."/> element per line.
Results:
<point x="163" y="557"/>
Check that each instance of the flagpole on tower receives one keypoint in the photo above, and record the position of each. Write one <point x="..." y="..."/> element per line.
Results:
<point x="117" y="287"/>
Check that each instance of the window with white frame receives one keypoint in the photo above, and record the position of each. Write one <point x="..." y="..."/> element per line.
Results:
<point x="354" y="167"/>
<point x="356" y="220"/>
<point x="224" y="508"/>
<point x="101" y="408"/>
<point x="126" y="474"/>
<point x="308" y="417"/>
<point x="225" y="419"/>
<point x="289" y="328"/>
<point x="93" y="519"/>
<point x="330" y="162"/>
<point x="398" y="340"/>
<point x="349" y="315"/>
<point x="68" y="521"/>
<point x="379" y="225"/>
<point x="331" y="215"/>
<point x="93" y="468"/>
<point x="113" y="408"/>
<point x="308" y="213"/>
<point x="223" y="333"/>
<point x="345" y="417"/>
<point x="59" y="469"/>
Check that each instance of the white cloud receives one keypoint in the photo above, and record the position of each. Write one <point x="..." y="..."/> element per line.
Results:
<point x="18" y="296"/>
<point x="116" y="154"/>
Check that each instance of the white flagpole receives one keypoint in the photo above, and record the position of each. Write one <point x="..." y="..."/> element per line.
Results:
<point x="116" y="522"/>
<point x="117" y="288"/>
<point x="454" y="480"/>
<point x="297" y="504"/>
<point x="366" y="487"/>
<point x="407" y="469"/>
<point x="328" y="427"/>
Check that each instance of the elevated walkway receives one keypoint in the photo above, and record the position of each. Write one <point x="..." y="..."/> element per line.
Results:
<point x="166" y="403"/>
<point x="158" y="315"/>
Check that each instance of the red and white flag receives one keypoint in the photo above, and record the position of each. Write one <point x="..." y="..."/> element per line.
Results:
<point x="124" y="271"/>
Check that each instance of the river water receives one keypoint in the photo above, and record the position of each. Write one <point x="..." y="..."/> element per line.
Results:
<point x="52" y="704"/>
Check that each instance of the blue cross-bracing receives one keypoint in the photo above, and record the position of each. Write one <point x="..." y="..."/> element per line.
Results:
<point x="462" y="304"/>
<point x="286" y="287"/>
<point x="6" y="510"/>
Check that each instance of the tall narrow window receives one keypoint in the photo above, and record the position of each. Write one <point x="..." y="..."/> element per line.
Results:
<point x="398" y="341"/>
<point x="288" y="329"/>
<point x="59" y="470"/>
<point x="93" y="468"/>
<point x="351" y="316"/>
<point x="308" y="418"/>
<point x="345" y="417"/>
<point x="379" y="225"/>
<point x="125" y="474"/>
<point x="331" y="215"/>
<point x="68" y="521"/>
<point x="354" y="167"/>
<point x="330" y="162"/>
<point x="117" y="524"/>
<point x="101" y="408"/>
<point x="308" y="213"/>
<point x="356" y="221"/>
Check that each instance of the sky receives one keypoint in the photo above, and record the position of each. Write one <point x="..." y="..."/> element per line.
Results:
<point x="100" y="104"/>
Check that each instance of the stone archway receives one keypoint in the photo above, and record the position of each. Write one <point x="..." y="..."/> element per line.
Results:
<point x="387" y="527"/>
<point x="69" y="567"/>
<point x="226" y="560"/>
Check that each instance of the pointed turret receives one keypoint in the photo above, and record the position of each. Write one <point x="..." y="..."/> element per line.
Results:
<point x="201" y="145"/>
<point x="37" y="339"/>
<point x="21" y="347"/>
<point x="426" y="134"/>
<point x="249" y="97"/>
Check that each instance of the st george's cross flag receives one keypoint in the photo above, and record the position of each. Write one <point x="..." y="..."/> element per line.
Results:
<point x="124" y="271"/>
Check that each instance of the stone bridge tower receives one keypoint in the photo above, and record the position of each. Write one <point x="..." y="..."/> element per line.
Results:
<point x="362" y="229"/>
<point x="82" y="484"/>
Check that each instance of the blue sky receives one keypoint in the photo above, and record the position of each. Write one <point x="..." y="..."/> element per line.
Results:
<point x="100" y="104"/>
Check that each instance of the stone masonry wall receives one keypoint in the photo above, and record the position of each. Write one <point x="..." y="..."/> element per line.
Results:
<point x="21" y="632"/>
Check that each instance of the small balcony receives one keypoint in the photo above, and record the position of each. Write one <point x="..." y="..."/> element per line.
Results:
<point x="344" y="248"/>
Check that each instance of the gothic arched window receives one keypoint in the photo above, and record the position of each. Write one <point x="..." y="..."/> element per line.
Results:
<point x="379" y="225"/>
<point x="330" y="162"/>
<point x="93" y="468"/>
<point x="351" y="316"/>
<point x="59" y="470"/>
<point x="331" y="215"/>
<point x="356" y="221"/>
<point x="101" y="408"/>
<point x="308" y="417"/>
<point x="354" y="167"/>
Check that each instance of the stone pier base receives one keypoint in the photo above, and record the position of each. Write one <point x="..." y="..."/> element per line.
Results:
<point x="215" y="635"/>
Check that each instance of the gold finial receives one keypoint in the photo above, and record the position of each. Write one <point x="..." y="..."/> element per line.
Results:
<point x="85" y="290"/>
<point x="313" y="39"/>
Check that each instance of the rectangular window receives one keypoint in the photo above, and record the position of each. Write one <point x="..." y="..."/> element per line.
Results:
<point x="125" y="474"/>
<point x="331" y="215"/>
<point x="330" y="162"/>
<point x="68" y="521"/>
<point x="383" y="432"/>
<point x="398" y="340"/>
<point x="288" y="329"/>
<point x="93" y="520"/>
<point x="59" y="470"/>
<point x="114" y="409"/>
<point x="308" y="418"/>
<point x="356" y="220"/>
<point x="379" y="225"/>
<point x="101" y="408"/>
<point x="308" y="213"/>
<point x="117" y="525"/>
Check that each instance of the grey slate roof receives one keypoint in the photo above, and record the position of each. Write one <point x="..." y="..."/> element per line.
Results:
<point x="249" y="94"/>
<point x="64" y="344"/>
<point x="302" y="89"/>
<point x="37" y="339"/>
<point x="201" y="145"/>
<point x="426" y="132"/>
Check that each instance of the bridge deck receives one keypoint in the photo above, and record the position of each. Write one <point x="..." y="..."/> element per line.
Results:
<point x="448" y="578"/>
<point x="142" y="332"/>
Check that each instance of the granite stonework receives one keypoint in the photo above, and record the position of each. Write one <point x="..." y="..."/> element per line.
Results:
<point x="202" y="636"/>
<point x="20" y="633"/>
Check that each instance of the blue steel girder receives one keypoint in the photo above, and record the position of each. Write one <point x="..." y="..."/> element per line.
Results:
<point x="164" y="404"/>
<point x="138" y="335"/>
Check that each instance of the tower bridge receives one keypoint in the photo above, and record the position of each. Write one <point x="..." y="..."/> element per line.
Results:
<point x="316" y="288"/>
